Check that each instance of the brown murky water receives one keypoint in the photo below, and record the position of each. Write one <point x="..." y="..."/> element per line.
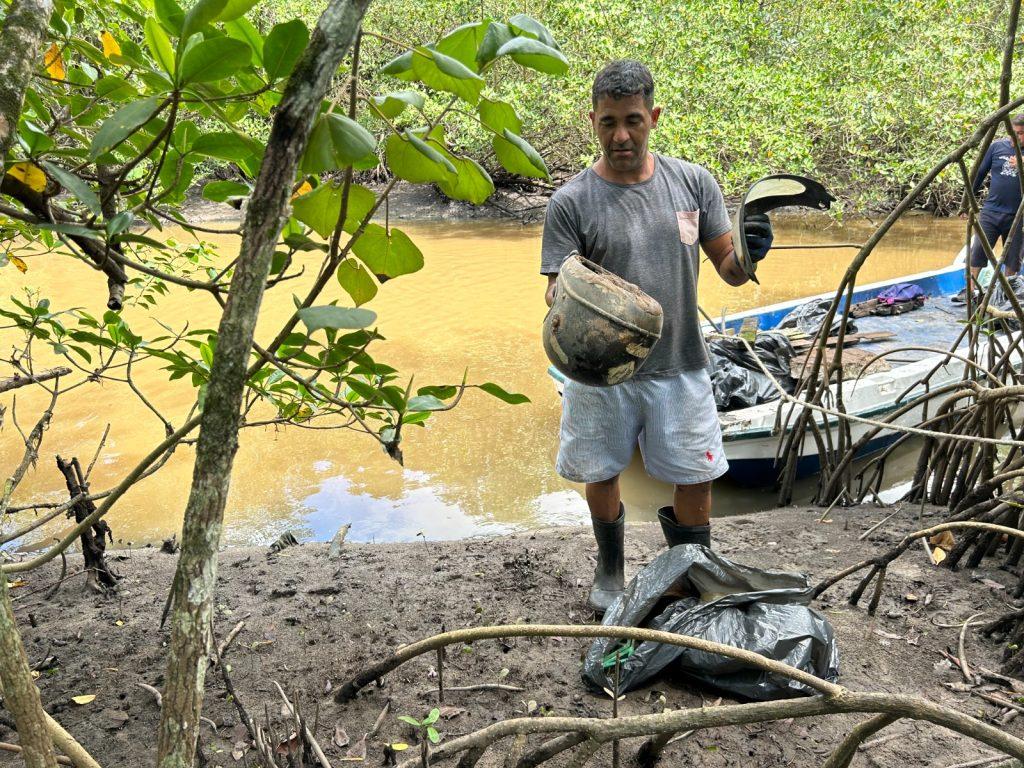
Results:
<point x="484" y="468"/>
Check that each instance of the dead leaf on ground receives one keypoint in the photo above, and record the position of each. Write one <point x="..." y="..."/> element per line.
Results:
<point x="289" y="747"/>
<point x="910" y="597"/>
<point x="944" y="539"/>
<point x="358" y="750"/>
<point x="340" y="738"/>
<point x="450" y="713"/>
<point x="938" y="555"/>
<point x="84" y="699"/>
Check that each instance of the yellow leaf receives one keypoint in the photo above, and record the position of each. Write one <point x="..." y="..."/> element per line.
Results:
<point x="54" y="63"/>
<point x="21" y="266"/>
<point x="118" y="623"/>
<point x="944" y="539"/>
<point x="399" y="746"/>
<point x="19" y="582"/>
<point x="110" y="45"/>
<point x="28" y="174"/>
<point x="35" y="674"/>
<point x="302" y="190"/>
<point x="938" y="555"/>
<point x="84" y="699"/>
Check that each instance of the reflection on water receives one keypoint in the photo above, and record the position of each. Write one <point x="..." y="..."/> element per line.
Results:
<point x="485" y="467"/>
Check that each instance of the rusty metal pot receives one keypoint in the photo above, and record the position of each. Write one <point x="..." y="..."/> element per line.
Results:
<point x="600" y="328"/>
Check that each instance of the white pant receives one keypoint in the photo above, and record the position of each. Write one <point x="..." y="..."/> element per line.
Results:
<point x="673" y="419"/>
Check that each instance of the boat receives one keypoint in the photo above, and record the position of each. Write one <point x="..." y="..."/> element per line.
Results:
<point x="751" y="435"/>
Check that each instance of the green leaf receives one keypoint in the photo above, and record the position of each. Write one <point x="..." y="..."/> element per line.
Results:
<point x="462" y="43"/>
<point x="517" y="156"/>
<point x="443" y="73"/>
<point x="333" y="317"/>
<point x="409" y="162"/>
<point x="123" y="123"/>
<point x="509" y="397"/>
<point x="433" y="735"/>
<point x="472" y="183"/>
<point x="170" y="15"/>
<point x="336" y="141"/>
<point x="198" y="16"/>
<point x="432" y="717"/>
<point x="428" y="151"/>
<point x="225" y="145"/>
<point x="75" y="186"/>
<point x="499" y="115"/>
<point x="159" y="45"/>
<point x="425" y="403"/>
<point x="442" y="393"/>
<point x="496" y="36"/>
<point x="409" y="720"/>
<point x="529" y="26"/>
<point x="391" y="105"/>
<point x="390" y="254"/>
<point x="321" y="208"/>
<point x="233" y="9"/>
<point x="242" y="29"/>
<point x="214" y="60"/>
<point x="115" y="88"/>
<point x="536" y="55"/>
<point x="356" y="281"/>
<point x="400" y="67"/>
<point x="120" y="223"/>
<point x="283" y="48"/>
<point x="219" y="191"/>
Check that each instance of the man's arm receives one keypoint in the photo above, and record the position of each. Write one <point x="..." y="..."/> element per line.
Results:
<point x="721" y="254"/>
<point x="549" y="296"/>
<point x="983" y="170"/>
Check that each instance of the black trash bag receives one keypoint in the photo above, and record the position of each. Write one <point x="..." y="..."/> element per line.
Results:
<point x="761" y="611"/>
<point x="771" y="347"/>
<point x="809" y="316"/>
<point x="735" y="387"/>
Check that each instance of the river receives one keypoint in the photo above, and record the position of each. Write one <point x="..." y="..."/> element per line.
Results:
<point x="484" y="468"/>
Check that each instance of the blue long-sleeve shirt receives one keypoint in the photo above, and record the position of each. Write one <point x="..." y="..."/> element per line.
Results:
<point x="1004" y="189"/>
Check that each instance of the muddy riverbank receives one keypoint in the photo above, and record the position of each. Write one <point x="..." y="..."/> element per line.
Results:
<point x="311" y="622"/>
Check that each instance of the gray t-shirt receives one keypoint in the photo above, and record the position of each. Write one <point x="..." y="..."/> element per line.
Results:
<point x="649" y="234"/>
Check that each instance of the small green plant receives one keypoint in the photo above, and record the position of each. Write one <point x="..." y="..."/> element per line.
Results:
<point x="425" y="731"/>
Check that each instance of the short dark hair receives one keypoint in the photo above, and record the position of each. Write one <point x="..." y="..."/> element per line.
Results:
<point x="622" y="78"/>
<point x="1018" y="120"/>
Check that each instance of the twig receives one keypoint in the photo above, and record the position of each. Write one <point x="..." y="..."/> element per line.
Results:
<point x="480" y="687"/>
<point x="7" y="747"/>
<point x="880" y="523"/>
<point x="226" y="643"/>
<point x="998" y="700"/>
<point x="380" y="718"/>
<point x="313" y="744"/>
<point x="979" y="762"/>
<point x="962" y="651"/>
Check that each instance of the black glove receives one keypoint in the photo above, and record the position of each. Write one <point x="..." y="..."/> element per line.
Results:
<point x="758" y="231"/>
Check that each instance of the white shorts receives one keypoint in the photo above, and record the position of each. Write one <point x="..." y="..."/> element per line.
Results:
<point x="673" y="419"/>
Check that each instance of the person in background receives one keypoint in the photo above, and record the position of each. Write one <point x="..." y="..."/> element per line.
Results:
<point x="644" y="217"/>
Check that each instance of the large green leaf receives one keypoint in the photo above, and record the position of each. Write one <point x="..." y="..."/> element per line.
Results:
<point x="336" y="141"/>
<point x="407" y="161"/>
<point x="75" y="186"/>
<point x="535" y="55"/>
<point x="400" y="67"/>
<point x="496" y="36"/>
<point x="220" y="191"/>
<point x="115" y="88"/>
<point x="214" y="60"/>
<point x="471" y="183"/>
<point x="170" y="15"/>
<point x="425" y="403"/>
<point x="242" y="29"/>
<point x="529" y="26"/>
<point x="428" y="151"/>
<point x="388" y="253"/>
<point x="334" y="317"/>
<point x="198" y="16"/>
<point x="321" y="208"/>
<point x="122" y="123"/>
<point x="283" y="48"/>
<point x="225" y="145"/>
<point x="159" y="45"/>
<point x="463" y="42"/>
<point x="234" y="9"/>
<point x="356" y="281"/>
<point x="443" y="73"/>
<point x="390" y="105"/>
<point x="517" y="156"/>
<point x="498" y="116"/>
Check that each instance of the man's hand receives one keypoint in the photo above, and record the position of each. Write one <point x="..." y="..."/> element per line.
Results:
<point x="549" y="296"/>
<point x="757" y="229"/>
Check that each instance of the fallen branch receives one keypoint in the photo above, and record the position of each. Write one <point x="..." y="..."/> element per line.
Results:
<point x="7" y="747"/>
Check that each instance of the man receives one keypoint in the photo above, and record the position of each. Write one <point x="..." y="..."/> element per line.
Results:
<point x="1000" y="207"/>
<point x="644" y="217"/>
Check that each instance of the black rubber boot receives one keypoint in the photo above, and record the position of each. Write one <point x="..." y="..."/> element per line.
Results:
<point x="609" y="576"/>
<point x="682" y="534"/>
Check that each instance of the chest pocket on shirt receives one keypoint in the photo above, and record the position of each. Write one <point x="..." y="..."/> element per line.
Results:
<point x="689" y="226"/>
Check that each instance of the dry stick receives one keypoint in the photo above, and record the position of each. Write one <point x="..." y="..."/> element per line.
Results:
<point x="481" y="687"/>
<point x="879" y="524"/>
<point x="962" y="651"/>
<point x="979" y="762"/>
<point x="843" y="754"/>
<point x="6" y="747"/>
<point x="14" y="382"/>
<point x="998" y="700"/>
<point x="314" y="745"/>
<point x="348" y="691"/>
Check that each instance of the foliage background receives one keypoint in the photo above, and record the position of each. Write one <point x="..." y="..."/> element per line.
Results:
<point x="865" y="94"/>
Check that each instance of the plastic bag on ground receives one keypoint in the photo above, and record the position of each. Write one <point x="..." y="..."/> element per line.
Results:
<point x="809" y="316"/>
<point x="736" y="387"/>
<point x="761" y="611"/>
<point x="771" y="347"/>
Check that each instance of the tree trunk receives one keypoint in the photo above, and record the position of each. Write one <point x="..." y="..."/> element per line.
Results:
<point x="196" y="575"/>
<point x="93" y="539"/>
<point x="21" y="50"/>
